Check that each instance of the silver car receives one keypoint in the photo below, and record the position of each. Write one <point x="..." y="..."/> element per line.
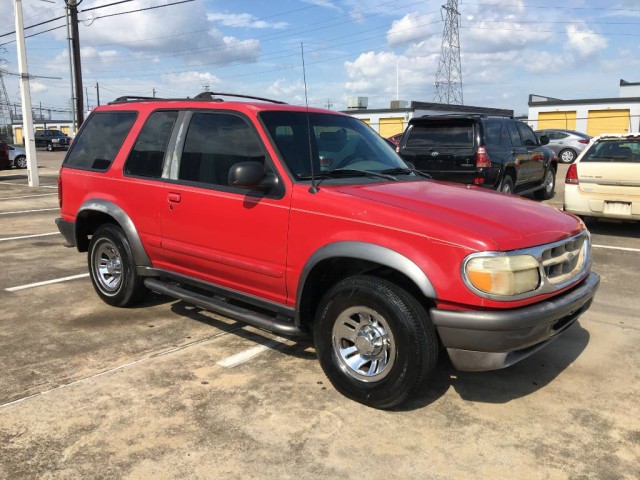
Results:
<point x="17" y="157"/>
<point x="567" y="144"/>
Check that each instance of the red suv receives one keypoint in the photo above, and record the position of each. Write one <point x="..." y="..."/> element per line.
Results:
<point x="305" y="221"/>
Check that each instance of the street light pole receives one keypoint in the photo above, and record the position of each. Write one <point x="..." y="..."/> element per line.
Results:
<point x="25" y="95"/>
<point x="73" y="99"/>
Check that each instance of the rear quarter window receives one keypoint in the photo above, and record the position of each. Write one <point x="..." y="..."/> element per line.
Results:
<point x="624" y="150"/>
<point x="99" y="141"/>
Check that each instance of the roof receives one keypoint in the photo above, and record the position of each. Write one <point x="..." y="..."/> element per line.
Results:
<point x="444" y="107"/>
<point x="548" y="101"/>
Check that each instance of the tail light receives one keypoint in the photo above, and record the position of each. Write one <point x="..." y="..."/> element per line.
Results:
<point x="572" y="175"/>
<point x="584" y="140"/>
<point x="482" y="158"/>
<point x="60" y="189"/>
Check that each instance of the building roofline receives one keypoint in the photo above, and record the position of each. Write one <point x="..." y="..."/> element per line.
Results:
<point x="624" y="83"/>
<point x="556" y="102"/>
<point x="432" y="106"/>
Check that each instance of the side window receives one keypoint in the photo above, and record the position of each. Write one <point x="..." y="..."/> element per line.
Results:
<point x="99" y="141"/>
<point x="560" y="135"/>
<point x="516" y="141"/>
<point x="214" y="143"/>
<point x="147" y="156"/>
<point x="496" y="134"/>
<point x="528" y="137"/>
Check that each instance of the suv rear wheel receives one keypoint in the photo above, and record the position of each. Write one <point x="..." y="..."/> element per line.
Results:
<point x="375" y="342"/>
<point x="507" y="185"/>
<point x="112" y="269"/>
<point x="548" y="189"/>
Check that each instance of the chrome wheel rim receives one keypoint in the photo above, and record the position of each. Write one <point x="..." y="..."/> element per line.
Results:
<point x="107" y="267"/>
<point x="21" y="162"/>
<point x="363" y="344"/>
<point x="506" y="188"/>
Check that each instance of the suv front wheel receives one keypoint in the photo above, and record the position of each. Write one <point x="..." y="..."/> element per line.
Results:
<point x="112" y="269"/>
<point x="375" y="342"/>
<point x="548" y="189"/>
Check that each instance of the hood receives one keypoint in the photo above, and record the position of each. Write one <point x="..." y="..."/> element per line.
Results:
<point x="471" y="216"/>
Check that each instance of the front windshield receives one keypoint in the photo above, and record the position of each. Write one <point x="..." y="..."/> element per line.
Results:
<point x="337" y="142"/>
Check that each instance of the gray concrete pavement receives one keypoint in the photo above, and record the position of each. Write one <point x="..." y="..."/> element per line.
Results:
<point x="92" y="391"/>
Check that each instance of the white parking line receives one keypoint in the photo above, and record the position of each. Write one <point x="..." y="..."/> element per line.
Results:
<point x="25" y="185"/>
<point x="245" y="356"/>
<point x="30" y="211"/>
<point x="625" y="249"/>
<point x="47" y="282"/>
<point x="30" y="196"/>
<point x="29" y="236"/>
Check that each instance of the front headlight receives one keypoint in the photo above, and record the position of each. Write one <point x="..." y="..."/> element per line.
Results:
<point x="503" y="275"/>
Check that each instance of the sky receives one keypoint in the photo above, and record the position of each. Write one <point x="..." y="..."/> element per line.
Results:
<point x="379" y="49"/>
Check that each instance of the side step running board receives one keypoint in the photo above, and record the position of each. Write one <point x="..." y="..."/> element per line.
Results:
<point x="228" y="310"/>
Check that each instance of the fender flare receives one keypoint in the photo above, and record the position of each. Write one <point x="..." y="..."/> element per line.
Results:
<point x="370" y="252"/>
<point x="119" y="215"/>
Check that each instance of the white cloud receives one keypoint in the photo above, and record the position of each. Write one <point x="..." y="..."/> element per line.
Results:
<point x="245" y="20"/>
<point x="583" y="41"/>
<point x="195" y="79"/>
<point x="324" y="4"/>
<point x="37" y="87"/>
<point x="414" y="27"/>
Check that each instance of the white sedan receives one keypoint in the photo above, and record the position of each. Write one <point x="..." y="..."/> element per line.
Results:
<point x="605" y="179"/>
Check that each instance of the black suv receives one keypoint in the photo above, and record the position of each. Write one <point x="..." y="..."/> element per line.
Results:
<point x="51" y="139"/>
<point x="494" y="152"/>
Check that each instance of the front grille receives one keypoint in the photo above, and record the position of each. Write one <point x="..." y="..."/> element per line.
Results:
<point x="564" y="261"/>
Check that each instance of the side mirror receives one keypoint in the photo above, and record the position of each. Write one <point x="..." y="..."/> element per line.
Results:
<point x="251" y="175"/>
<point x="544" y="139"/>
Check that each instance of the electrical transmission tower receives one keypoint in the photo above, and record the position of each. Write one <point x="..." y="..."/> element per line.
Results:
<point x="449" y="74"/>
<point x="6" y="116"/>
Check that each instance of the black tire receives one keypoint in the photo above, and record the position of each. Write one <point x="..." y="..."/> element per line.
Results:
<point x="567" y="155"/>
<point x="49" y="147"/>
<point x="20" y="161"/>
<point x="548" y="189"/>
<point x="507" y="185"/>
<point x="375" y="325"/>
<point x="112" y="268"/>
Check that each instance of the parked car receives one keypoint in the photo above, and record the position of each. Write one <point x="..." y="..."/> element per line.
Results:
<point x="395" y="139"/>
<point x="226" y="205"/>
<point x="567" y="144"/>
<point x="4" y="155"/>
<point x="605" y="179"/>
<point x="17" y="157"/>
<point x="52" y="140"/>
<point x="493" y="152"/>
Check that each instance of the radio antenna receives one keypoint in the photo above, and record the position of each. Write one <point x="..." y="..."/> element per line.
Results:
<point x="314" y="187"/>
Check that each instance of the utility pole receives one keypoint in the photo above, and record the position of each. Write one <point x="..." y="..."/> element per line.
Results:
<point x="25" y="96"/>
<point x="448" y="81"/>
<point x="73" y="95"/>
<point x="154" y="93"/>
<point x="97" y="94"/>
<point x="86" y="92"/>
<point x="77" y="67"/>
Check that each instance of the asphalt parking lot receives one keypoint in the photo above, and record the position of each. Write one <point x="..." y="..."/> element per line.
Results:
<point x="169" y="391"/>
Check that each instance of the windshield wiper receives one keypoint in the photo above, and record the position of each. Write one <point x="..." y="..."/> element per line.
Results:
<point x="349" y="172"/>
<point x="401" y="170"/>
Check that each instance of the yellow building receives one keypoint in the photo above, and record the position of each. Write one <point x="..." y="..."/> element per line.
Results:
<point x="593" y="116"/>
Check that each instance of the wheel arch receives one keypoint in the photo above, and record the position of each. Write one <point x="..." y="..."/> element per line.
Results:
<point x="339" y="260"/>
<point x="95" y="212"/>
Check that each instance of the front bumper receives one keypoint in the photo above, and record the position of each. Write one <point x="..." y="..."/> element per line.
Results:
<point x="489" y="340"/>
<point x="68" y="231"/>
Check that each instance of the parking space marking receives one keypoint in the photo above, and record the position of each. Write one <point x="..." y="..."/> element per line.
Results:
<point x="47" y="282"/>
<point x="30" y="211"/>
<point x="27" y="186"/>
<point x="625" y="249"/>
<point x="124" y="366"/>
<point x="29" y="236"/>
<point x="242" y="357"/>
<point x="29" y="196"/>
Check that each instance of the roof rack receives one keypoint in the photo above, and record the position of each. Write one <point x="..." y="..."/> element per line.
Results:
<point x="133" y="98"/>
<point x="210" y="96"/>
<point x="468" y="114"/>
<point x="204" y="96"/>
